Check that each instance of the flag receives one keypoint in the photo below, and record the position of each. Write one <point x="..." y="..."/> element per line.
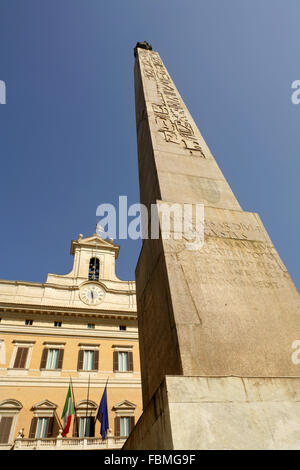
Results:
<point x="102" y="415"/>
<point x="67" y="412"/>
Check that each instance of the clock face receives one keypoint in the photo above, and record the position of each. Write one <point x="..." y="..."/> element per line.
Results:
<point x="92" y="295"/>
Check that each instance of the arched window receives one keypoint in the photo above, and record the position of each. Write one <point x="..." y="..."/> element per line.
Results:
<point x="9" y="410"/>
<point x="94" y="269"/>
<point x="84" y="422"/>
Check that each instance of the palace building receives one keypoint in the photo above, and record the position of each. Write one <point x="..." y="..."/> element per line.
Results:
<point x="79" y="327"/>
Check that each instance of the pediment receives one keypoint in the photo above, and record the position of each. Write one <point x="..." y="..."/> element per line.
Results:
<point x="10" y="404"/>
<point x="124" y="405"/>
<point x="84" y="404"/>
<point x="44" y="405"/>
<point x="94" y="241"/>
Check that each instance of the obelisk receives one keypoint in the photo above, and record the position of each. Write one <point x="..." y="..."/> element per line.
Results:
<point x="217" y="326"/>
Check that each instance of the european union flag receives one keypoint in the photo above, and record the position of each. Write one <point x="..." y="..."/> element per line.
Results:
<point x="102" y="415"/>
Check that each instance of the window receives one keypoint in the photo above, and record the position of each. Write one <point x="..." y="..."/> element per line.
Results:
<point x="124" y="425"/>
<point x="88" y="359"/>
<point x="42" y="427"/>
<point x="28" y="322"/>
<point x="91" y="326"/>
<point x="5" y="428"/>
<point x="21" y="356"/>
<point x="9" y="410"/>
<point x="44" y="423"/>
<point x="94" y="269"/>
<point x="2" y="352"/>
<point x="86" y="426"/>
<point x="57" y="323"/>
<point x="124" y="420"/>
<point x="122" y="328"/>
<point x="52" y="358"/>
<point x="122" y="361"/>
<point x="84" y="423"/>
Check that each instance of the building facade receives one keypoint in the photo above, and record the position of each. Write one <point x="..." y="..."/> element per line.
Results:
<point x="79" y="327"/>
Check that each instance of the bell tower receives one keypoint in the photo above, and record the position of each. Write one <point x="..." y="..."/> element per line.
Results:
<point x="94" y="257"/>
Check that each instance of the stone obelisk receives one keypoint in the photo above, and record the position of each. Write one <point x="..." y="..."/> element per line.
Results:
<point x="218" y="326"/>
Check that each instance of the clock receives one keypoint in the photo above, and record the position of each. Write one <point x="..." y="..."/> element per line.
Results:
<point x="92" y="295"/>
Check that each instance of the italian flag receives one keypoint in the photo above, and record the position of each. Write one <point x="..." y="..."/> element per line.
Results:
<point x="67" y="412"/>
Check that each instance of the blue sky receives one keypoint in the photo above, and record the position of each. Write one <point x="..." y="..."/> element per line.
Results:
<point x="67" y="132"/>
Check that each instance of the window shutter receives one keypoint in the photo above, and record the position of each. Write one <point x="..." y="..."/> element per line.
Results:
<point x="5" y="427"/>
<point x="33" y="428"/>
<point x="56" y="427"/>
<point x="76" y="427"/>
<point x="96" y="360"/>
<point x="60" y="358"/>
<point x="132" y="423"/>
<point x="80" y="360"/>
<point x="21" y="357"/>
<point x="44" y="359"/>
<point x="92" y="427"/>
<point x="49" y="432"/>
<point x="115" y="361"/>
<point x="18" y="358"/>
<point x="130" y="361"/>
<point x="117" y="426"/>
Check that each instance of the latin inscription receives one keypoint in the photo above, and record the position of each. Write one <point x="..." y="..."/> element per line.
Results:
<point x="232" y="230"/>
<point x="238" y="263"/>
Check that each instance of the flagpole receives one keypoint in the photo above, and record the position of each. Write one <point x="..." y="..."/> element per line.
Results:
<point x="76" y="423"/>
<point x="98" y="407"/>
<point x="59" y="421"/>
<point x="87" y="404"/>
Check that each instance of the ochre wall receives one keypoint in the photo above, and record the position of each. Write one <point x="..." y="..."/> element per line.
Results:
<point x="38" y="385"/>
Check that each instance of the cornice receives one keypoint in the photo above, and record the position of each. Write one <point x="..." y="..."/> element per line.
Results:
<point x="71" y="332"/>
<point x="74" y="287"/>
<point x="55" y="382"/>
<point x="67" y="311"/>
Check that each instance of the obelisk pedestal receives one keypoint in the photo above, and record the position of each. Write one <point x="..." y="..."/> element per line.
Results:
<point x="216" y="325"/>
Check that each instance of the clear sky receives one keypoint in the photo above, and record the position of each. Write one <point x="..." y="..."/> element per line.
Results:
<point x="67" y="132"/>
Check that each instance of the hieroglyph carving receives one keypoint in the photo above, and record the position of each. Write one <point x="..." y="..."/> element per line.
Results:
<point x="170" y="115"/>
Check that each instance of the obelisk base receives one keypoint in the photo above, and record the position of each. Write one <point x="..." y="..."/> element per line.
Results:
<point x="203" y="413"/>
